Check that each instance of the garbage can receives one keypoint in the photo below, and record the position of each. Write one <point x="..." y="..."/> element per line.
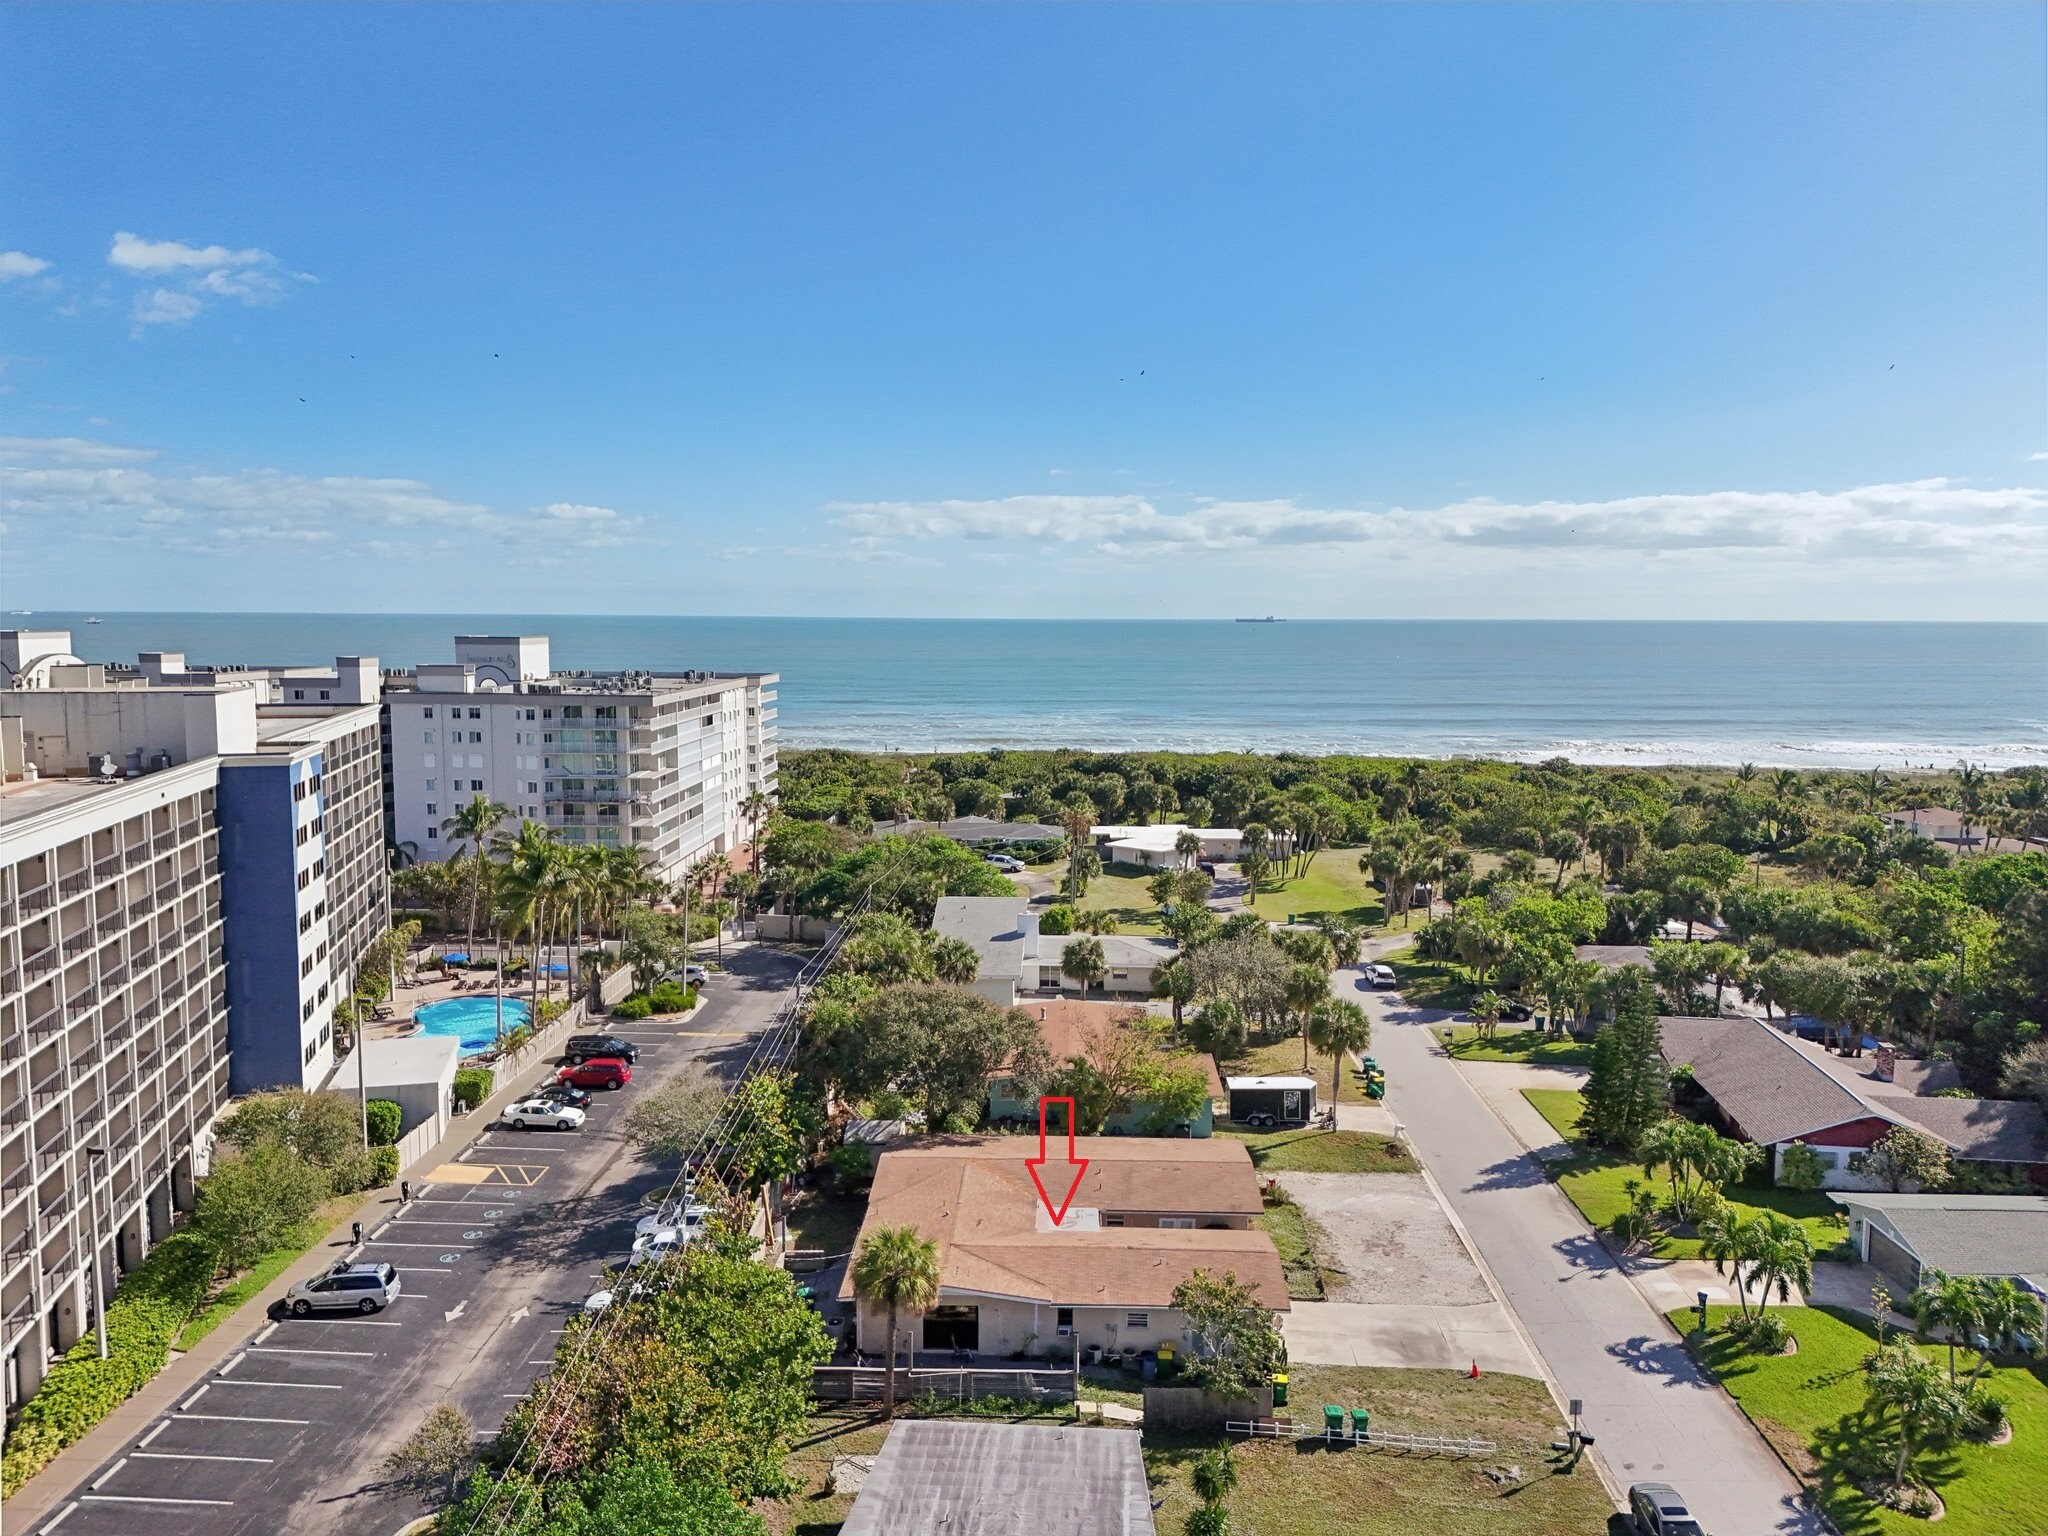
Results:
<point x="1333" y="1422"/>
<point x="1280" y="1389"/>
<point x="1361" y="1424"/>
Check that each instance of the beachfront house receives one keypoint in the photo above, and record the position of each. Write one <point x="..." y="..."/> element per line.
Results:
<point x="1158" y="847"/>
<point x="1146" y="1216"/>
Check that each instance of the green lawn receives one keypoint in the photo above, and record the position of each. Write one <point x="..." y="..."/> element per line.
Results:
<point x="1125" y="898"/>
<point x="1430" y="983"/>
<point x="1596" y="1181"/>
<point x="1323" y="1151"/>
<point x="1289" y="1228"/>
<point x="1283" y="1490"/>
<point x="1282" y="1058"/>
<point x="237" y="1292"/>
<point x="1333" y="887"/>
<point x="825" y="1218"/>
<point x="1810" y="1406"/>
<point x="1528" y="1045"/>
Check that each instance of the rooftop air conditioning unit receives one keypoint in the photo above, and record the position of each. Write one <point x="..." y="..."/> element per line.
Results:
<point x="159" y="761"/>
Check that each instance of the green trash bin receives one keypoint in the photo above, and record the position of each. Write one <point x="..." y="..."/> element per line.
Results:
<point x="1361" y="1424"/>
<point x="1280" y="1389"/>
<point x="1333" y="1422"/>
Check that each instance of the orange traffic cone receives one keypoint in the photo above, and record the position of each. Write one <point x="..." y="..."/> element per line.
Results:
<point x="1475" y="1370"/>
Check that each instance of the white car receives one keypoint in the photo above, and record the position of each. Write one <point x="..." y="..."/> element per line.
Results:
<point x="661" y="1243"/>
<point x="690" y="1219"/>
<point x="1380" y="975"/>
<point x="1005" y="863"/>
<point x="527" y="1113"/>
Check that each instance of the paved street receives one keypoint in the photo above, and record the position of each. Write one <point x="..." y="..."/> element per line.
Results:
<point x="496" y="1250"/>
<point x="1653" y="1415"/>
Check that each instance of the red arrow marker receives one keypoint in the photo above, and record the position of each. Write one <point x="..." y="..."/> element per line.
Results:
<point x="1067" y="1174"/>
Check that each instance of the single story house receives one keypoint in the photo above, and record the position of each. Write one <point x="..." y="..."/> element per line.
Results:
<point x="951" y="1477"/>
<point x="1017" y="960"/>
<point x="1156" y="847"/>
<point x="1067" y="1026"/>
<point x="1940" y="824"/>
<point x="1767" y="1088"/>
<point x="1906" y="1236"/>
<point x="973" y="830"/>
<point x="1146" y="1215"/>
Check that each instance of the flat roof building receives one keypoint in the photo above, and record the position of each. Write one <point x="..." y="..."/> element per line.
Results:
<point x="936" y="1477"/>
<point x="1015" y="959"/>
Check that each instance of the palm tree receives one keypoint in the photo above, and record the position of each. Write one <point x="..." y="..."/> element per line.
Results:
<point x="1188" y="848"/>
<point x="755" y="808"/>
<point x="1745" y="774"/>
<point x="898" y="1269"/>
<point x="955" y="960"/>
<point x="1971" y="787"/>
<point x="1486" y="1011"/>
<point x="1083" y="960"/>
<point x="1340" y="1027"/>
<point x="2027" y="795"/>
<point x="1307" y="988"/>
<point x="1872" y="786"/>
<point x="1345" y="945"/>
<point x="742" y="888"/>
<point x="1215" y="1474"/>
<point x="1077" y="818"/>
<point x="1952" y="1303"/>
<point x="2009" y="1313"/>
<point x="1725" y="1238"/>
<point x="1929" y="1409"/>
<point x="1175" y="981"/>
<point x="475" y="824"/>
<point x="1780" y="1256"/>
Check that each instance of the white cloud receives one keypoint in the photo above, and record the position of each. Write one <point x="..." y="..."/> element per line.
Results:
<point x="19" y="264"/>
<point x="67" y="489"/>
<point x="191" y="277"/>
<point x="2037" y="458"/>
<point x="1916" y="518"/>
<point x="132" y="253"/>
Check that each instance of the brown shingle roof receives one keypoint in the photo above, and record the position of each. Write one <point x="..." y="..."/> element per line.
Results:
<point x="973" y="1196"/>
<point x="1067" y="1024"/>
<point x="1983" y="1130"/>
<point x="1760" y="1081"/>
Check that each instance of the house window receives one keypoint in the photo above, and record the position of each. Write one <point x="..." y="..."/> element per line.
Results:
<point x="1063" y="1321"/>
<point x="476" y="714"/>
<point x="428" y="738"/>
<point x="1119" y="975"/>
<point x="1178" y="1223"/>
<point x="1137" y="1319"/>
<point x="433" y="836"/>
<point x="323" y="693"/>
<point x="433" y="809"/>
<point x="298" y="693"/>
<point x="428" y="712"/>
<point x="1112" y="1221"/>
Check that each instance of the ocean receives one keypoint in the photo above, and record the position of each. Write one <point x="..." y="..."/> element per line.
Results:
<point x="1804" y="695"/>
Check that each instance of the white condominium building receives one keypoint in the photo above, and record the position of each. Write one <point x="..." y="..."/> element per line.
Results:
<point x="662" y="762"/>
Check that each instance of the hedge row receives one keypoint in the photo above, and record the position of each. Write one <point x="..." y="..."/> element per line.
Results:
<point x="81" y="1389"/>
<point x="668" y="997"/>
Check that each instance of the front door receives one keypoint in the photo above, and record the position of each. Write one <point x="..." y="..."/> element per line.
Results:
<point x="951" y="1327"/>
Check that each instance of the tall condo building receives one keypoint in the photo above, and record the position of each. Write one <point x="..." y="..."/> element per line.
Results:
<point x="190" y="871"/>
<point x="659" y="761"/>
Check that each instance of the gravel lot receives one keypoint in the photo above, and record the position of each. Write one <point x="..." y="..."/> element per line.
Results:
<point x="1389" y="1238"/>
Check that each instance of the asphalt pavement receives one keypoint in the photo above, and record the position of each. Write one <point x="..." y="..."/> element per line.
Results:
<point x="497" y="1250"/>
<point x="1653" y="1414"/>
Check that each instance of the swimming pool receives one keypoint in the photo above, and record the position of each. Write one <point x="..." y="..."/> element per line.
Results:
<point x="472" y="1020"/>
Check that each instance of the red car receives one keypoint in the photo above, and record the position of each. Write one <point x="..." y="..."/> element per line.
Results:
<point x="600" y="1072"/>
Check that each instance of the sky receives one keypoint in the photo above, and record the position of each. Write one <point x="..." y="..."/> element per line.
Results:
<point x="1367" y="311"/>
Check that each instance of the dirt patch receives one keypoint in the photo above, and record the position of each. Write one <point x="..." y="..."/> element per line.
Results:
<point x="1382" y="1237"/>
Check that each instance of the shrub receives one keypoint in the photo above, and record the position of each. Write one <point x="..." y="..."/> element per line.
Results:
<point x="1763" y="1334"/>
<point x="386" y="1119"/>
<point x="1987" y="1412"/>
<point x="248" y="1202"/>
<point x="1800" y="1167"/>
<point x="383" y="1167"/>
<point x="81" y="1389"/>
<point x="636" y="1006"/>
<point x="1056" y="919"/>
<point x="669" y="997"/>
<point x="853" y="1162"/>
<point x="473" y="1085"/>
<point x="439" y="1455"/>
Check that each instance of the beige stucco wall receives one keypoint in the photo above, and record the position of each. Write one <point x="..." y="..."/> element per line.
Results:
<point x="1006" y="1324"/>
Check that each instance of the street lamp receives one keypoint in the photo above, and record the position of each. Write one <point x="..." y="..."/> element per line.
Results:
<point x="99" y="1284"/>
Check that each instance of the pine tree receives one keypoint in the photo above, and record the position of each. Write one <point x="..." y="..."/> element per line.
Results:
<point x="1627" y="1089"/>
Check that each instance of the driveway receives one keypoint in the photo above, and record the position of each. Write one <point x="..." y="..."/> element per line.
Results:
<point x="1403" y="1289"/>
<point x="1655" y="1417"/>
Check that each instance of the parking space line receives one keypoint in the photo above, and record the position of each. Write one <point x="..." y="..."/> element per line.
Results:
<point x="186" y="1406"/>
<point x="231" y="1362"/>
<point x="444" y="1247"/>
<point x="143" y="1498"/>
<point x="198" y="1456"/>
<point x="162" y="1425"/>
<point x="279" y="1349"/>
<point x="296" y="1386"/>
<point x="59" y="1520"/>
<point x="117" y="1466"/>
<point x="238" y="1418"/>
<point x="266" y="1333"/>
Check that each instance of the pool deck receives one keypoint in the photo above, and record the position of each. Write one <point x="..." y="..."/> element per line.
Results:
<point x="416" y="995"/>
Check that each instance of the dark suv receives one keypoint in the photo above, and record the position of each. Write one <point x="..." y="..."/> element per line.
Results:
<point x="582" y="1048"/>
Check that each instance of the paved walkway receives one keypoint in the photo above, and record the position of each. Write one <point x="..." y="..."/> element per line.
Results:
<point x="1655" y="1417"/>
<point x="1424" y="1336"/>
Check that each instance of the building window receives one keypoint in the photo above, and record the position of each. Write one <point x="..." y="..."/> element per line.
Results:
<point x="305" y="967"/>
<point x="428" y="712"/>
<point x="323" y="693"/>
<point x="475" y="714"/>
<point x="1178" y="1223"/>
<point x="1137" y="1319"/>
<point x="476" y="738"/>
<point x="428" y="762"/>
<point x="433" y="809"/>
<point x="432" y="785"/>
<point x="1063" y="1320"/>
<point x="433" y="836"/>
<point x="1112" y="1221"/>
<point x="532" y="788"/>
<point x="298" y="693"/>
<point x="306" y="1013"/>
<point x="428" y="738"/>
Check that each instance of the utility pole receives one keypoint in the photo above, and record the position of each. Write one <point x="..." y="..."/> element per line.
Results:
<point x="94" y="1161"/>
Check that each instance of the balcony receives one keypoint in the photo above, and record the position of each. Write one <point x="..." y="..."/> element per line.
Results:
<point x="78" y="943"/>
<point x="37" y="899"/>
<point x="163" y="842"/>
<point x="52" y="1144"/>
<point x="52" y="1087"/>
<point x="107" y="868"/>
<point x="71" y="884"/>
<point x="14" y="1111"/>
<point x="41" y="962"/>
<point x="113" y="975"/>
<point x="46" y="1023"/>
<point x="137" y="853"/>
<point x="7" y="914"/>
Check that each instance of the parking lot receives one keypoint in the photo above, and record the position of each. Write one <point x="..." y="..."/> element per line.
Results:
<point x="496" y="1250"/>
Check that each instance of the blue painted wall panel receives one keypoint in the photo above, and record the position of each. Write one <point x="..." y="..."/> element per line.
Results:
<point x="260" y="925"/>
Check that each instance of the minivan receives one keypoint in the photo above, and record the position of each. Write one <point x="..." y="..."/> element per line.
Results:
<point x="345" y="1288"/>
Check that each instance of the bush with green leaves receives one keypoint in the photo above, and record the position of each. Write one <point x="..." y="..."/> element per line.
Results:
<point x="143" y="1318"/>
<point x="1800" y="1167"/>
<point x="473" y="1085"/>
<point x="248" y="1202"/>
<point x="635" y="1007"/>
<point x="1056" y="920"/>
<point x="853" y="1162"/>
<point x="1762" y="1333"/>
<point x="386" y="1119"/>
<point x="671" y="997"/>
